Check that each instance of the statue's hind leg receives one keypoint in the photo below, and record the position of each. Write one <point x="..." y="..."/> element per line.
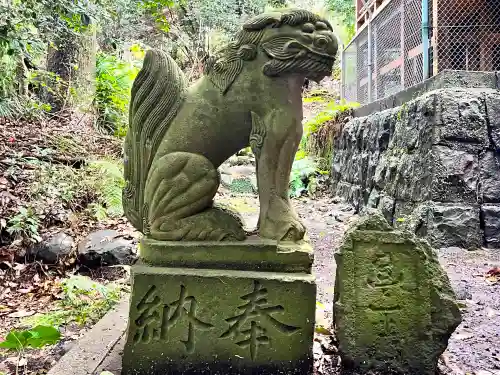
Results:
<point x="179" y="193"/>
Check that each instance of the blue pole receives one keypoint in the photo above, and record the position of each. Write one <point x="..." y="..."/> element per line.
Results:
<point x="425" y="38"/>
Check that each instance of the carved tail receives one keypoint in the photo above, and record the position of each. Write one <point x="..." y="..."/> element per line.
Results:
<point x="157" y="94"/>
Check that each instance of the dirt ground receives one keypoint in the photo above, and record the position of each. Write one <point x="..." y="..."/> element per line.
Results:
<point x="474" y="348"/>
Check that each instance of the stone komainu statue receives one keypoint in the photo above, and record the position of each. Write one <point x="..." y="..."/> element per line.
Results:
<point x="250" y="94"/>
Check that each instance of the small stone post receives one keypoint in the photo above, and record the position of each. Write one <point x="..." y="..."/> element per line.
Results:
<point x="394" y="308"/>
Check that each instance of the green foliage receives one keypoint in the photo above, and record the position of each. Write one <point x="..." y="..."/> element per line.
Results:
<point x="26" y="107"/>
<point x="331" y="112"/>
<point x="97" y="187"/>
<point x="313" y="99"/>
<point x="302" y="174"/>
<point x="157" y="9"/>
<point x="105" y="177"/>
<point x="36" y="337"/>
<point x="85" y="301"/>
<point x="346" y="11"/>
<point x="55" y="182"/>
<point x="114" y="79"/>
<point x="25" y="225"/>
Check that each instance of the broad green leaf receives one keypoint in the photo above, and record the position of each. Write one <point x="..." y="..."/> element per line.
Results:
<point x="43" y="335"/>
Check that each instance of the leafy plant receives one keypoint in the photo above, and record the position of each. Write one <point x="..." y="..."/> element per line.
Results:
<point x="114" y="79"/>
<point x="106" y="179"/>
<point x="303" y="171"/>
<point x="33" y="338"/>
<point x="85" y="301"/>
<point x="25" y="225"/>
<point x="332" y="112"/>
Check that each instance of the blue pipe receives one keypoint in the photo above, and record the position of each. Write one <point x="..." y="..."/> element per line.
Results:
<point x="425" y="38"/>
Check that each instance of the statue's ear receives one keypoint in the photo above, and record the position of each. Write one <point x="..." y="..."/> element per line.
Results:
<point x="224" y="71"/>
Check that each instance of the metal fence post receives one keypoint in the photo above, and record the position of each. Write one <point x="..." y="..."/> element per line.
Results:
<point x="366" y="5"/>
<point x="370" y="57"/>
<point x="342" y="73"/>
<point x="425" y="38"/>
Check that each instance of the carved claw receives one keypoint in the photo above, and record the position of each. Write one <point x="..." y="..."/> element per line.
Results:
<point x="285" y="229"/>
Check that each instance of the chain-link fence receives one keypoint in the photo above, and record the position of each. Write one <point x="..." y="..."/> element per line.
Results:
<point x="467" y="35"/>
<point x="454" y="34"/>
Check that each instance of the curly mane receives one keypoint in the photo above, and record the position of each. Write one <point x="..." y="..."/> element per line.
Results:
<point x="226" y="65"/>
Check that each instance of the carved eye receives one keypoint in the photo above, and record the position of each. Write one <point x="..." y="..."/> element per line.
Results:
<point x="308" y="28"/>
<point x="321" y="42"/>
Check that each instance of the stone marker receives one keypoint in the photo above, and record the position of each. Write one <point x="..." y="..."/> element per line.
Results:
<point x="394" y="308"/>
<point x="207" y="299"/>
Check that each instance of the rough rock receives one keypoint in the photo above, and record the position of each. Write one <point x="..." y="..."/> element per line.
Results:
<point x="106" y="248"/>
<point x="57" y="247"/>
<point x="391" y="297"/>
<point x="431" y="162"/>
<point x="491" y="219"/>
<point x="490" y="177"/>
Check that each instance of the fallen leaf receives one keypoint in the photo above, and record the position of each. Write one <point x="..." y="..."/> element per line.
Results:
<point x="21" y="314"/>
<point x="494" y="272"/>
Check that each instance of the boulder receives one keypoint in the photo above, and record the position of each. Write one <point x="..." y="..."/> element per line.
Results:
<point x="53" y="249"/>
<point x="391" y="297"/>
<point x="106" y="248"/>
<point x="456" y="175"/>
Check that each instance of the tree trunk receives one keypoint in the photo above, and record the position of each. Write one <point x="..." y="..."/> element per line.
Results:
<point x="72" y="59"/>
<point x="21" y="75"/>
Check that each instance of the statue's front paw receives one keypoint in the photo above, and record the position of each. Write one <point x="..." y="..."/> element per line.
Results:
<point x="286" y="228"/>
<point x="296" y="232"/>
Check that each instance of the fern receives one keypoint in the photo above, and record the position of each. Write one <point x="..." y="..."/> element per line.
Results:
<point x="332" y="112"/>
<point x="6" y="109"/>
<point x="106" y="178"/>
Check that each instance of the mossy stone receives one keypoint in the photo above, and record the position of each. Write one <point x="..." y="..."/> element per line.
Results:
<point x="394" y="308"/>
<point x="219" y="322"/>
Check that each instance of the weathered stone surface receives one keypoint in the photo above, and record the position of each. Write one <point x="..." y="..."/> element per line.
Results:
<point x="493" y="107"/>
<point x="394" y="308"/>
<point x="254" y="254"/>
<point x="249" y="95"/>
<point x="219" y="322"/>
<point x="456" y="175"/>
<point x="106" y="248"/>
<point x="437" y="151"/>
<point x="491" y="218"/>
<point x="456" y="225"/>
<point x="463" y="119"/>
<point x="54" y="249"/>
<point x="490" y="177"/>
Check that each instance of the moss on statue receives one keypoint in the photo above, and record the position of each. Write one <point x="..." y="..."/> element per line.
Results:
<point x="394" y="308"/>
<point x="250" y="95"/>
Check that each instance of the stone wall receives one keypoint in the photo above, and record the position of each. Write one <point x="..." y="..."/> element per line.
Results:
<point x="432" y="164"/>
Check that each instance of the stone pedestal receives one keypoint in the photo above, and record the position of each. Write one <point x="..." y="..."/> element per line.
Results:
<point x="221" y="308"/>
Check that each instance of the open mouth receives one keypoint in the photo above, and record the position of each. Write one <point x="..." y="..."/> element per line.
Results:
<point x="319" y="66"/>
